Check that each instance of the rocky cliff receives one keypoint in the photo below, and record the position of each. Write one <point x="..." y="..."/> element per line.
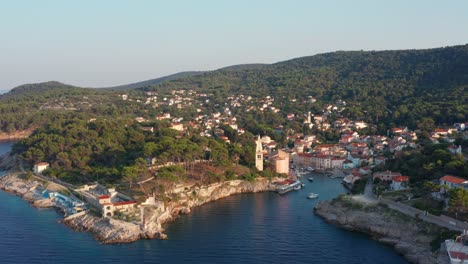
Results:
<point x="196" y="196"/>
<point x="109" y="230"/>
<point x="410" y="237"/>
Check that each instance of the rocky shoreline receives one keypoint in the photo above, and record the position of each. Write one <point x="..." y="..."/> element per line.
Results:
<point x="408" y="236"/>
<point x="109" y="230"/>
<point x="15" y="135"/>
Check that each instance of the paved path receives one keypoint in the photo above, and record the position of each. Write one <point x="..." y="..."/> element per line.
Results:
<point x="368" y="197"/>
<point x="444" y="221"/>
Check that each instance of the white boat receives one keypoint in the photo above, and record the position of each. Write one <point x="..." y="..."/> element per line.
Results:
<point x="312" y="195"/>
<point x="457" y="249"/>
<point x="288" y="186"/>
<point x="298" y="187"/>
<point x="311" y="178"/>
<point x="310" y="168"/>
<point x="299" y="173"/>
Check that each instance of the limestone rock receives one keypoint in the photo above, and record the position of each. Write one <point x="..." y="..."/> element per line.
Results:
<point x="408" y="236"/>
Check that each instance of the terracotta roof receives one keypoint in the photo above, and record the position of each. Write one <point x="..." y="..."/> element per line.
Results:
<point x="124" y="203"/>
<point x="453" y="179"/>
<point x="305" y="155"/>
<point x="326" y="146"/>
<point x="459" y="255"/>
<point x="103" y="197"/>
<point x="322" y="156"/>
<point x="400" y="178"/>
<point x="42" y="164"/>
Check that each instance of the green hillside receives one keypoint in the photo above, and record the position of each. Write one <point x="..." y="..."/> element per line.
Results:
<point x="400" y="87"/>
<point x="416" y="88"/>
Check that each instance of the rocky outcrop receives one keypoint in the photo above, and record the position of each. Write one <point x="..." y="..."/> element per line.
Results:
<point x="410" y="237"/>
<point x="196" y="196"/>
<point x="109" y="230"/>
<point x="8" y="161"/>
<point x="15" y="135"/>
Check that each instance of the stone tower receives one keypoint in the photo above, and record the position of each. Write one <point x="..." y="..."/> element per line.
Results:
<point x="259" y="154"/>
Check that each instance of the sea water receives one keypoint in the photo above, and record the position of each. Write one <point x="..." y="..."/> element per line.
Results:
<point x="246" y="228"/>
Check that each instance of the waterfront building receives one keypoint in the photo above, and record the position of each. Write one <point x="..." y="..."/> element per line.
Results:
<point x="337" y="163"/>
<point x="322" y="161"/>
<point x="302" y="159"/>
<point x="281" y="162"/>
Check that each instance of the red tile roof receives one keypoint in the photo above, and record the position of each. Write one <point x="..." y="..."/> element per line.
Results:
<point x="453" y="179"/>
<point x="458" y="255"/>
<point x="103" y="197"/>
<point x="400" y="178"/>
<point x="124" y="203"/>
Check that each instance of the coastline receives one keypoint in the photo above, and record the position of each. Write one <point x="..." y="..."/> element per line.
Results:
<point x="408" y="236"/>
<point x="15" y="136"/>
<point x="107" y="230"/>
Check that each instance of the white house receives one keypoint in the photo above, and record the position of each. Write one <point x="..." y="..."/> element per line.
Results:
<point x="40" y="167"/>
<point x="454" y="182"/>
<point x="399" y="183"/>
<point x="385" y="175"/>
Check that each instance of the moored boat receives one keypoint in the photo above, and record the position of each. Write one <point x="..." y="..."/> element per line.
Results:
<point x="288" y="185"/>
<point x="311" y="179"/>
<point x="312" y="195"/>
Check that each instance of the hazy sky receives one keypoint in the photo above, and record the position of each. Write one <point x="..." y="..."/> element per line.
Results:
<point x="95" y="43"/>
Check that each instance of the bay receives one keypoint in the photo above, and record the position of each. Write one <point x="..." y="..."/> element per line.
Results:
<point x="247" y="228"/>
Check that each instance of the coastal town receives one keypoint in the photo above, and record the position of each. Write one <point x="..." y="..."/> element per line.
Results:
<point x="358" y="157"/>
<point x="234" y="132"/>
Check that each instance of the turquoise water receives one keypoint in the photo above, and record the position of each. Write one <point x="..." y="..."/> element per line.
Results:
<point x="247" y="228"/>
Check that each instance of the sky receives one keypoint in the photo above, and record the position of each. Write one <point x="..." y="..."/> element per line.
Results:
<point x="101" y="43"/>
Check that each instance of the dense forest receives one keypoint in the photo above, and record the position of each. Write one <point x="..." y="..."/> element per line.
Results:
<point x="115" y="150"/>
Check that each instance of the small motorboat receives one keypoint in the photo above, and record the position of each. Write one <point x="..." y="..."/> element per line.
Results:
<point x="310" y="168"/>
<point x="312" y="195"/>
<point x="297" y="187"/>
<point x="311" y="179"/>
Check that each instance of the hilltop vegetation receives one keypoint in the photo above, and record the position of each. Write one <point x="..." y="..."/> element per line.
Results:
<point x="393" y="87"/>
<point x="33" y="105"/>
<point x="120" y="149"/>
<point x="415" y="88"/>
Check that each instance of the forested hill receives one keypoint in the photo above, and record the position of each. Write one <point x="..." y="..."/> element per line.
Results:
<point x="40" y="88"/>
<point x="400" y="87"/>
<point x="415" y="88"/>
<point x="155" y="81"/>
<point x="179" y="75"/>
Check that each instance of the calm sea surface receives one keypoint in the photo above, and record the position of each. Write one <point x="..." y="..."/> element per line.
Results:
<point x="247" y="228"/>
